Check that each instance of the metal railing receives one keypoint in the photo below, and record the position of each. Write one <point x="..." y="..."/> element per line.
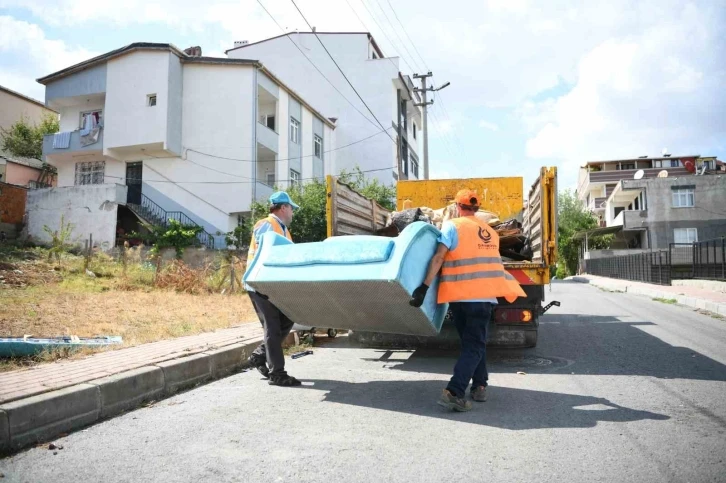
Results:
<point x="157" y="215"/>
<point x="700" y="260"/>
<point x="649" y="267"/>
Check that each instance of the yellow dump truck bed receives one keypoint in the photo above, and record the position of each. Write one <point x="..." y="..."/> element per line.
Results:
<point x="350" y="213"/>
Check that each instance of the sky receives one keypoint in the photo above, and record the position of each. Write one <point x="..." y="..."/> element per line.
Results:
<point x="533" y="82"/>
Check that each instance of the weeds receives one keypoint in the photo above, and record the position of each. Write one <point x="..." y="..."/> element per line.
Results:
<point x="666" y="301"/>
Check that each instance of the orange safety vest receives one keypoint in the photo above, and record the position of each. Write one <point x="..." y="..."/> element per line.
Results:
<point x="276" y="227"/>
<point x="474" y="270"/>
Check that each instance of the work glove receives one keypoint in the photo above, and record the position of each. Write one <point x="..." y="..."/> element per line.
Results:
<point x="418" y="295"/>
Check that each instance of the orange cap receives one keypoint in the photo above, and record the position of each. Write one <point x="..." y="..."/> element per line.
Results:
<point x="467" y="198"/>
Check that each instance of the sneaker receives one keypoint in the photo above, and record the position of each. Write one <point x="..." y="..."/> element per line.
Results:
<point x="259" y="364"/>
<point x="450" y="401"/>
<point x="479" y="393"/>
<point x="284" y="380"/>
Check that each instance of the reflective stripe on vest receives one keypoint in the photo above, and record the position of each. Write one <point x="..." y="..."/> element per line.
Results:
<point x="474" y="269"/>
<point x="276" y="227"/>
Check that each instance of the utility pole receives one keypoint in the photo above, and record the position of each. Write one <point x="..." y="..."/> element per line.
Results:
<point x="424" y="90"/>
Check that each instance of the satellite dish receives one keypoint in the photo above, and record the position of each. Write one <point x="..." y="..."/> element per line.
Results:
<point x="639" y="174"/>
<point x="663" y="174"/>
<point x="665" y="151"/>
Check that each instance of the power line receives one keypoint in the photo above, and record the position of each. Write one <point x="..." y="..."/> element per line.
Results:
<point x="408" y="36"/>
<point x="413" y="44"/>
<point x="286" y="159"/>
<point x="393" y="45"/>
<point x="343" y="73"/>
<point x="395" y="31"/>
<point x="313" y="64"/>
<point x="235" y="182"/>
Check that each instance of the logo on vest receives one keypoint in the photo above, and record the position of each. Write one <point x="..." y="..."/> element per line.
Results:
<point x="486" y="238"/>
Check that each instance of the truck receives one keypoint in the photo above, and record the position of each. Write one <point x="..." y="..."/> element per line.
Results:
<point x="514" y="324"/>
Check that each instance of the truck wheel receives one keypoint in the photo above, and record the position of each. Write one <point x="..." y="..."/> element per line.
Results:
<point x="530" y="338"/>
<point x="332" y="333"/>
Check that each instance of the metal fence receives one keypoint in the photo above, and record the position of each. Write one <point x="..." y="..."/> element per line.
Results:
<point x="699" y="260"/>
<point x="648" y="267"/>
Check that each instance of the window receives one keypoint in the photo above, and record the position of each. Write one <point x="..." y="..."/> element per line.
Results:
<point x="414" y="167"/>
<point x="675" y="163"/>
<point x="404" y="115"/>
<point x="414" y="130"/>
<point x="683" y="197"/>
<point x="151" y="100"/>
<point x="294" y="130"/>
<point x="271" y="179"/>
<point x="658" y="164"/>
<point x="90" y="173"/>
<point x="685" y="235"/>
<point x="294" y="177"/>
<point x="710" y="164"/>
<point x="96" y="114"/>
<point x="318" y="147"/>
<point x="625" y="166"/>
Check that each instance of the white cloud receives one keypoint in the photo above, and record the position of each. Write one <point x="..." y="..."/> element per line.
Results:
<point x="39" y="55"/>
<point x="636" y="94"/>
<point x="488" y="125"/>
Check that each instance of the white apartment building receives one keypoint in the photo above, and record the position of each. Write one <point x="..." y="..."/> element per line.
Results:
<point x="166" y="133"/>
<point x="390" y="95"/>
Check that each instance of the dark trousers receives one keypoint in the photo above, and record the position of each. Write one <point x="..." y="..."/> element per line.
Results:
<point x="471" y="319"/>
<point x="277" y="326"/>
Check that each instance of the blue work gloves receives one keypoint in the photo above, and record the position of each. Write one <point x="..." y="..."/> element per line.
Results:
<point x="418" y="296"/>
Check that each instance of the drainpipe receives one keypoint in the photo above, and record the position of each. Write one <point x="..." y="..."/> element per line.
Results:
<point x="254" y="146"/>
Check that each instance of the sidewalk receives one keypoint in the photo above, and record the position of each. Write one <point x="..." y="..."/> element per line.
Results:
<point x="695" y="297"/>
<point x="39" y="403"/>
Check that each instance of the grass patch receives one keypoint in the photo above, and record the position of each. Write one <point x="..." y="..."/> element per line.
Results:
<point x="666" y="301"/>
<point x="39" y="299"/>
<point x="305" y="344"/>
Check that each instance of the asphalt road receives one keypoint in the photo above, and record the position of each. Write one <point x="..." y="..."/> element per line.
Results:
<point x="621" y="388"/>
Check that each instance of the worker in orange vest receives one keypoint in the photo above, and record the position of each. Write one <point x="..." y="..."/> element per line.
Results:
<point x="268" y="358"/>
<point x="472" y="277"/>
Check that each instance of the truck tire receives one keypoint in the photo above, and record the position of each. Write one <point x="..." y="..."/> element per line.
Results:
<point x="530" y="338"/>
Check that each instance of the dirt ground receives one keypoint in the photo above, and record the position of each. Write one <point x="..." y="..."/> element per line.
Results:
<point x="39" y="299"/>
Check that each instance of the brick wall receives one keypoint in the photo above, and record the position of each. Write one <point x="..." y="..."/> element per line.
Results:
<point x="12" y="203"/>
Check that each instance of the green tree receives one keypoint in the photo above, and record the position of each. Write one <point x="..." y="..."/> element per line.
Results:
<point x="26" y="140"/>
<point x="573" y="218"/>
<point x="310" y="222"/>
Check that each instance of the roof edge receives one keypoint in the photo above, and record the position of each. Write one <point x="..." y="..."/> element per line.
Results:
<point x="27" y="98"/>
<point x="110" y="55"/>
<point x="307" y="33"/>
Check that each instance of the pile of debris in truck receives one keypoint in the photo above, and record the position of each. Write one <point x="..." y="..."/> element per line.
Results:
<point x="514" y="245"/>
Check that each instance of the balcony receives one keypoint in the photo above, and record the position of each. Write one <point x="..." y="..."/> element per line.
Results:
<point x="597" y="204"/>
<point x="263" y="192"/>
<point x="617" y="175"/>
<point x="268" y="138"/>
<point x="634" y="220"/>
<point x="74" y="147"/>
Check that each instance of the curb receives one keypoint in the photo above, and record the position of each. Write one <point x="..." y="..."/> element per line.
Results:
<point x="688" y="301"/>
<point x="45" y="416"/>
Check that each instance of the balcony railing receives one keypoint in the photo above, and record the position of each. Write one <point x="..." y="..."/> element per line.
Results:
<point x="75" y="144"/>
<point x="617" y="175"/>
<point x="268" y="138"/>
<point x="155" y="214"/>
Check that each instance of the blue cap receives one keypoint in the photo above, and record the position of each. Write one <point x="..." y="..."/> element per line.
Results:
<point x="282" y="198"/>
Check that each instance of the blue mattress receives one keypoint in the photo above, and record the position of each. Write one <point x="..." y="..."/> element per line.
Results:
<point x="351" y="282"/>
